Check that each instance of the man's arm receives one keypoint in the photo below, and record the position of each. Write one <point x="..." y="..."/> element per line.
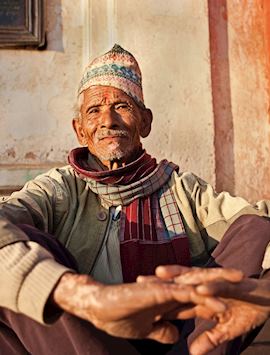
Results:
<point x="130" y="310"/>
<point x="211" y="211"/>
<point x="28" y="272"/>
<point x="37" y="203"/>
<point x="207" y="215"/>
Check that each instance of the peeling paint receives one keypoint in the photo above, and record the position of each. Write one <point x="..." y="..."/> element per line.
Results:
<point x="30" y="155"/>
<point x="10" y="153"/>
<point x="31" y="80"/>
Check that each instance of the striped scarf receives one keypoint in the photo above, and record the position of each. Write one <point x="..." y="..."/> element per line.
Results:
<point x="151" y="228"/>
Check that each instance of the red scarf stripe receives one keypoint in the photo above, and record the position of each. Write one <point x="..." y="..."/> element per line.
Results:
<point x="140" y="225"/>
<point x="131" y="212"/>
<point x="157" y="219"/>
<point x="146" y="219"/>
<point x="153" y="223"/>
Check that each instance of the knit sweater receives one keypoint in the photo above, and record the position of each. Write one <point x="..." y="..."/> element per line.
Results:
<point x="61" y="203"/>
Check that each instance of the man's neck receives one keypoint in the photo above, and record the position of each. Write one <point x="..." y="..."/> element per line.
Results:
<point x="118" y="163"/>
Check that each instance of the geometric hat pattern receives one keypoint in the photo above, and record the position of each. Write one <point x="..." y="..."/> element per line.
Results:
<point x="117" y="68"/>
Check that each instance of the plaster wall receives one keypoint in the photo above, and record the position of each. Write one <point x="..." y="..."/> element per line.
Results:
<point x="249" y="81"/>
<point x="37" y="94"/>
<point x="170" y="41"/>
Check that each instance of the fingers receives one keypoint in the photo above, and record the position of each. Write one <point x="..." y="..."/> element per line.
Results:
<point x="206" y="342"/>
<point x="226" y="329"/>
<point x="219" y="288"/>
<point x="187" y="275"/>
<point x="189" y="312"/>
<point x="250" y="290"/>
<point x="188" y="295"/>
<point x="166" y="272"/>
<point x="143" y="279"/>
<point x="198" y="312"/>
<point x="203" y="275"/>
<point x="164" y="332"/>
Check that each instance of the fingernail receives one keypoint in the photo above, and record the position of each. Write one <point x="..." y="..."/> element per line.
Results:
<point x="139" y="279"/>
<point x="203" y="290"/>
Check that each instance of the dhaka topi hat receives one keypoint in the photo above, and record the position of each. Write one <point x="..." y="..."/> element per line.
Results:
<point x="117" y="68"/>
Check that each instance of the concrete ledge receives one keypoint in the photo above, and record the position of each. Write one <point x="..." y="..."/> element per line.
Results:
<point x="13" y="177"/>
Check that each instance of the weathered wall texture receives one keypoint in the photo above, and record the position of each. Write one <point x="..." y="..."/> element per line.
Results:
<point x="250" y="96"/>
<point x="37" y="94"/>
<point x="240" y="82"/>
<point x="170" y="40"/>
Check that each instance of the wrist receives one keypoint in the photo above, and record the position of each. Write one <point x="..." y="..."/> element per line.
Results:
<point x="71" y="290"/>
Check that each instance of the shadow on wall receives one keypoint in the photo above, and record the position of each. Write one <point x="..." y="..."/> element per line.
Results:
<point x="54" y="26"/>
<point x="221" y="95"/>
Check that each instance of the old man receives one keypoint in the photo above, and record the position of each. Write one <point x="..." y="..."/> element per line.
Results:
<point x="75" y="238"/>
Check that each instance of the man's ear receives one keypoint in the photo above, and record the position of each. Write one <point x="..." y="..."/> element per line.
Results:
<point x="146" y="122"/>
<point x="76" y="123"/>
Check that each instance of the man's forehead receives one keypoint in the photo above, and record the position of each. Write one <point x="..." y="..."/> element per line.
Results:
<point x="98" y="95"/>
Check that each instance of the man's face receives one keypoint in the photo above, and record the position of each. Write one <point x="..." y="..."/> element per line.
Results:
<point x="110" y="125"/>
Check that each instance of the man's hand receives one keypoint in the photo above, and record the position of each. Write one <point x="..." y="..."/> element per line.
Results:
<point x="239" y="318"/>
<point x="248" y="309"/>
<point x="128" y="310"/>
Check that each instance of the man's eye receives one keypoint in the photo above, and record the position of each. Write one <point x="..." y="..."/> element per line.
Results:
<point x="93" y="110"/>
<point x="122" y="106"/>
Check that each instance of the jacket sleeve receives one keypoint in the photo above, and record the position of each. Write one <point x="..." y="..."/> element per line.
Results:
<point x="36" y="204"/>
<point x="28" y="272"/>
<point x="208" y="214"/>
<point x="28" y="275"/>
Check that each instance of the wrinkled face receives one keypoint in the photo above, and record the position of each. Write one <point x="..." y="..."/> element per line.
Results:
<point x="111" y="124"/>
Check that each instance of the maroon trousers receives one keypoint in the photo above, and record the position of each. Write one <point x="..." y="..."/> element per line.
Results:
<point x="242" y="247"/>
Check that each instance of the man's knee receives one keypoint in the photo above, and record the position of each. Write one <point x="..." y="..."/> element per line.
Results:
<point x="244" y="244"/>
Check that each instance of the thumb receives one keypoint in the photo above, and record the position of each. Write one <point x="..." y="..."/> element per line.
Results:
<point x="202" y="345"/>
<point x="164" y="332"/>
<point x="209" y="340"/>
<point x="166" y="272"/>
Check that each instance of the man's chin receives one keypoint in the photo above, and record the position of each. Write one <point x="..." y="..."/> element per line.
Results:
<point x="123" y="155"/>
<point x="112" y="156"/>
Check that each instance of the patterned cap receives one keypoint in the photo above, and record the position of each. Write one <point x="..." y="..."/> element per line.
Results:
<point x="117" y="68"/>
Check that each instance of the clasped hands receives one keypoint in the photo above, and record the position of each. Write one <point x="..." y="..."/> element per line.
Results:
<point x="144" y="309"/>
<point x="246" y="301"/>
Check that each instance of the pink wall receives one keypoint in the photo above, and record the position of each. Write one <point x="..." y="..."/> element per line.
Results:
<point x="239" y="50"/>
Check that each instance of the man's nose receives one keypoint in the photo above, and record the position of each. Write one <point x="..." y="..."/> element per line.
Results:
<point x="109" y="119"/>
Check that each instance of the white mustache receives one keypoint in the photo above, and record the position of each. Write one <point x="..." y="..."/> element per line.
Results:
<point x="111" y="132"/>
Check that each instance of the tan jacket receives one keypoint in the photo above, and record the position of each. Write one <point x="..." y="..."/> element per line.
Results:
<point x="61" y="203"/>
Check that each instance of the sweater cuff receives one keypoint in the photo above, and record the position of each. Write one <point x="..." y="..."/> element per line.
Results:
<point x="37" y="288"/>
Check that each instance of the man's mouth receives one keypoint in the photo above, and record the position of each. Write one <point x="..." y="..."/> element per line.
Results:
<point x="111" y="135"/>
<point x="112" y="138"/>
